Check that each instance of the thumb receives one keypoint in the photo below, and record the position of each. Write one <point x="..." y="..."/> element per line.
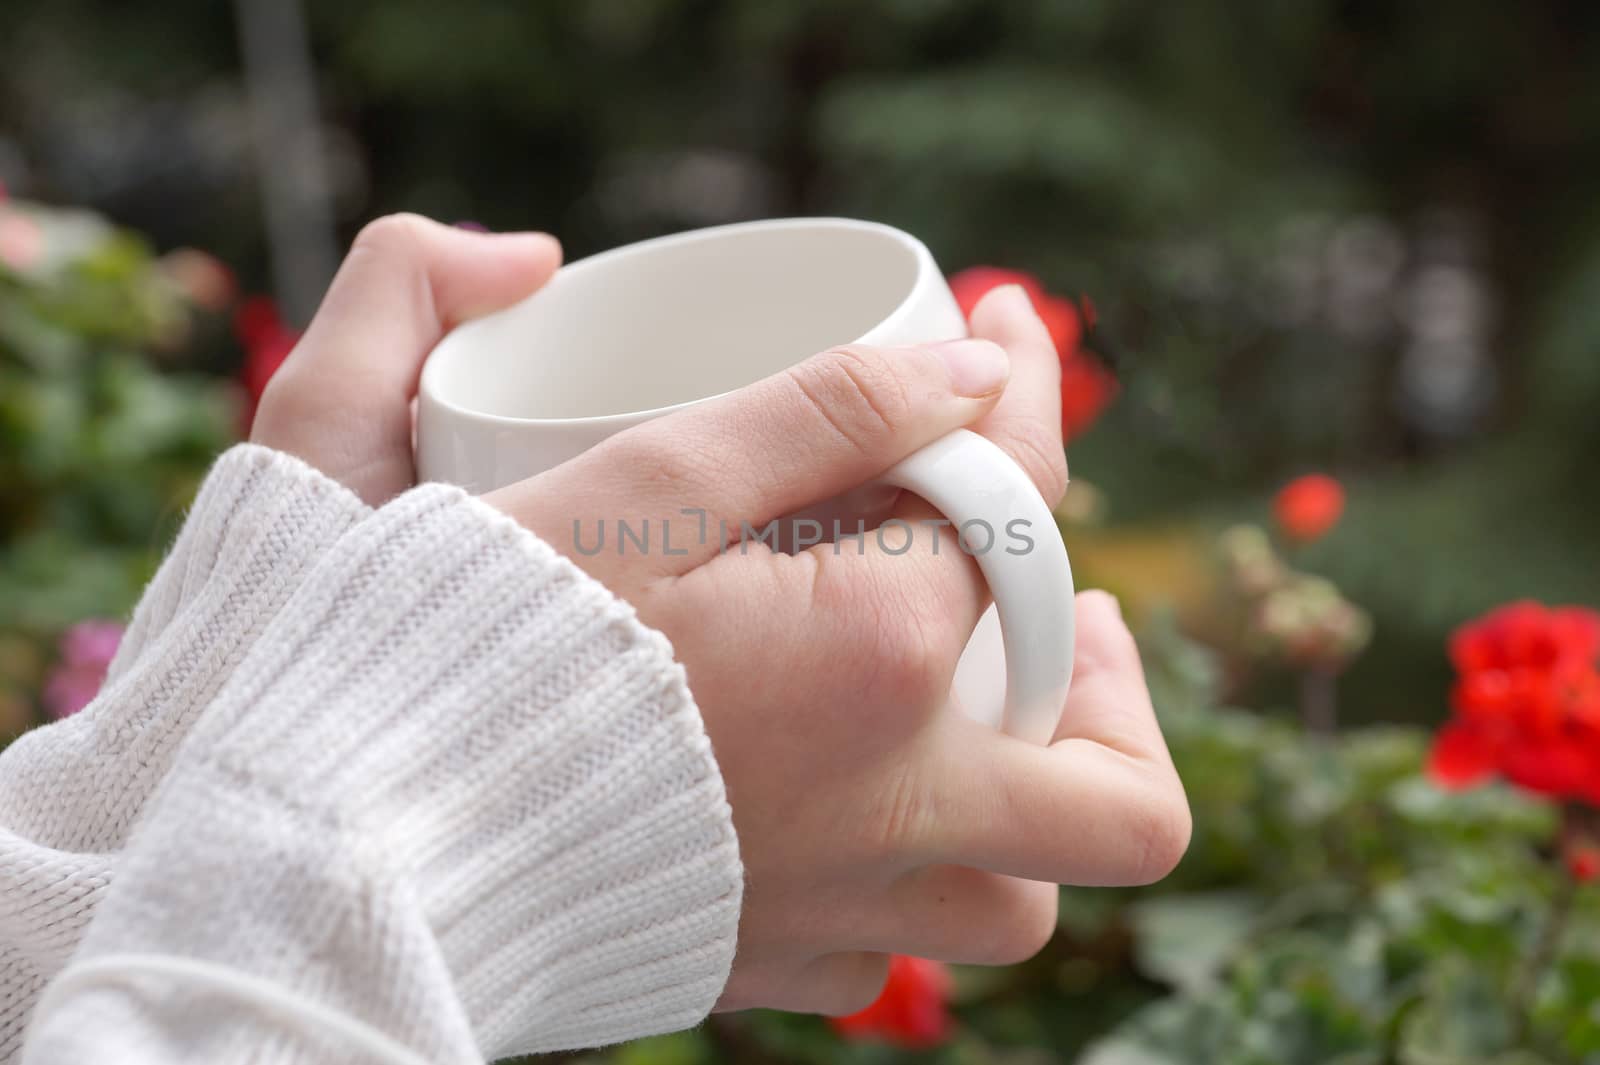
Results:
<point x="806" y="435"/>
<point x="407" y="281"/>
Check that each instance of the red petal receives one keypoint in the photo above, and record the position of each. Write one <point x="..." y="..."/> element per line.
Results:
<point x="1524" y="634"/>
<point x="973" y="283"/>
<point x="1061" y="318"/>
<point x="1591" y="790"/>
<point x="256" y="320"/>
<point x="1462" y="756"/>
<point x="1086" y="391"/>
<point x="1091" y="314"/>
<point x="1576" y="631"/>
<point x="1473" y="647"/>
<point x="1307" y="507"/>
<point x="1483" y="695"/>
<point x="1553" y="768"/>
<point x="910" y="1011"/>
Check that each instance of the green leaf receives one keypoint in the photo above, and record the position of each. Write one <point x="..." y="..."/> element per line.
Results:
<point x="1186" y="940"/>
<point x="1120" y="1050"/>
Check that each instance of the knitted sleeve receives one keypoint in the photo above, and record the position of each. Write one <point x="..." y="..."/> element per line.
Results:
<point x="70" y="792"/>
<point x="455" y="802"/>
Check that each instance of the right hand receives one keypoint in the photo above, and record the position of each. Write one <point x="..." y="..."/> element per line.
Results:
<point x="870" y="820"/>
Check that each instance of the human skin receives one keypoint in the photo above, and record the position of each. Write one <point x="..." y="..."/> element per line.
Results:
<point x="871" y="820"/>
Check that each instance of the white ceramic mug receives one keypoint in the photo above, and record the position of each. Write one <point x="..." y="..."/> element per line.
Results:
<point x="640" y="331"/>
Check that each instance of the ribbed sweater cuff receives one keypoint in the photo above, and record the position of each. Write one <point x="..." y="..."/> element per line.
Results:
<point x="260" y="519"/>
<point x="507" y="737"/>
<point x="259" y="523"/>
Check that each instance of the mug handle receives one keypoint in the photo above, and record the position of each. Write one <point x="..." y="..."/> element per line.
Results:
<point x="974" y="483"/>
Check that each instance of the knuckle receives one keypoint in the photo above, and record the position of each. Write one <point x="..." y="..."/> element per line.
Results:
<point x="858" y="394"/>
<point x="1160" y="827"/>
<point x="888" y="655"/>
<point x="910" y="666"/>
<point x="390" y="234"/>
<point x="1028" y="925"/>
<point x="857" y="982"/>
<point x="660" y="461"/>
<point x="903" y="821"/>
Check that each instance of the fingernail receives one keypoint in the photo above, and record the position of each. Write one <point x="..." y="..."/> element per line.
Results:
<point x="1013" y="294"/>
<point x="1110" y="600"/>
<point x="475" y="227"/>
<point x="976" y="367"/>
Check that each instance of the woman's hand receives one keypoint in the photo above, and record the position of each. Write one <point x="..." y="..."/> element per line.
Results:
<point x="342" y="400"/>
<point x="869" y="819"/>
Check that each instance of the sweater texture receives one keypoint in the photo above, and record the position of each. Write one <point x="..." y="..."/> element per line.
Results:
<point x="408" y="766"/>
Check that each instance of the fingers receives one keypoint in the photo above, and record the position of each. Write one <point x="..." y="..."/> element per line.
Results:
<point x="406" y="282"/>
<point x="967" y="916"/>
<point x="921" y="562"/>
<point x="1102" y="805"/>
<point x="1027" y="422"/>
<point x="906" y="591"/>
<point x="833" y="984"/>
<point x="816" y="430"/>
<point x="1109" y="704"/>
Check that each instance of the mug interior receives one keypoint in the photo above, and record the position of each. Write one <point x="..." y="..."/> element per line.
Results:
<point x="677" y="319"/>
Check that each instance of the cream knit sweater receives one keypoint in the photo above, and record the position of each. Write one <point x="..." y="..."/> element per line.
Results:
<point x="358" y="779"/>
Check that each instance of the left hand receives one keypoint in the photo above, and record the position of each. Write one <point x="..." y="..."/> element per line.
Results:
<point x="342" y="400"/>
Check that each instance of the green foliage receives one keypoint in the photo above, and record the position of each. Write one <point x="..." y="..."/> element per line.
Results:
<point x="1335" y="907"/>
<point x="100" y="446"/>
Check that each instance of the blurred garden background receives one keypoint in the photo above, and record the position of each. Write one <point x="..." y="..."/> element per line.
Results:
<point x="1278" y="238"/>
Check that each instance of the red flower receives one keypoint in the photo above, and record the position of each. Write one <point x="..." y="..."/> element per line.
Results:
<point x="911" y="1010"/>
<point x="267" y="342"/>
<point x="1307" y="507"/>
<point x="1461" y="757"/>
<point x="1526" y="634"/>
<point x="1527" y="703"/>
<point x="1065" y="325"/>
<point x="975" y="282"/>
<point x="1087" y="388"/>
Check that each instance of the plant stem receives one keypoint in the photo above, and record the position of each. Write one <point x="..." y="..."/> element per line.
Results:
<point x="1319" y="704"/>
<point x="1544" y="953"/>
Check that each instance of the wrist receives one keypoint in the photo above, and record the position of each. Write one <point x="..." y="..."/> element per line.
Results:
<point x="496" y="740"/>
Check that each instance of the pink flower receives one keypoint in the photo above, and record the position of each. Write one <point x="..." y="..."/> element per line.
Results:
<point x="21" y="240"/>
<point x="203" y="279"/>
<point x="86" y="652"/>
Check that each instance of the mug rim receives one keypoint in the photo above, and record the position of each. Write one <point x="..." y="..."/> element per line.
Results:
<point x="428" y="388"/>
